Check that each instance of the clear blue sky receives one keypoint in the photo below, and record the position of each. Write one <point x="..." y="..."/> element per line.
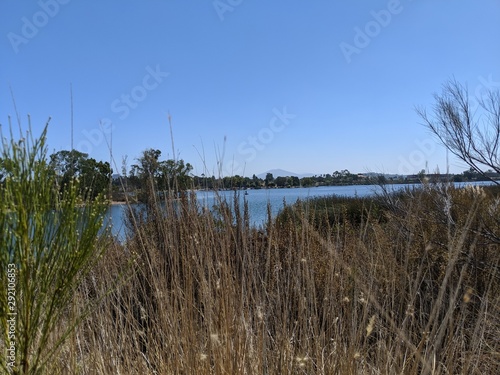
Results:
<point x="312" y="86"/>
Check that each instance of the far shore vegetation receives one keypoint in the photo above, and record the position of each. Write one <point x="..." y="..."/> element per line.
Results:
<point x="96" y="178"/>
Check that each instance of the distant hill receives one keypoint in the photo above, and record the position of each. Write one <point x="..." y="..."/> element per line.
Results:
<point x="283" y="173"/>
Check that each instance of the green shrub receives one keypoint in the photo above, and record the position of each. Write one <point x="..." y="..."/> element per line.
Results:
<point x="327" y="213"/>
<point x="49" y="241"/>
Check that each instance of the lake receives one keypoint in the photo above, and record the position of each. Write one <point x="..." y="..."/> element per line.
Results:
<point x="258" y="200"/>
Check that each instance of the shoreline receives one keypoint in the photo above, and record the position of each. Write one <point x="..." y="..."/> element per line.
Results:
<point x="117" y="203"/>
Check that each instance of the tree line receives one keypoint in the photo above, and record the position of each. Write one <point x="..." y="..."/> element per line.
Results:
<point x="151" y="177"/>
<point x="473" y="138"/>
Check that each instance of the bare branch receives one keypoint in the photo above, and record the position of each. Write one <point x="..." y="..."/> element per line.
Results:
<point x="456" y="127"/>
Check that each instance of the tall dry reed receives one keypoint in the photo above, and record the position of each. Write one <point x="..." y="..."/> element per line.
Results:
<point x="412" y="291"/>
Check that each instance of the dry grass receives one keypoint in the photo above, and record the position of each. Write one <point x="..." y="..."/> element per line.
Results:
<point x="414" y="293"/>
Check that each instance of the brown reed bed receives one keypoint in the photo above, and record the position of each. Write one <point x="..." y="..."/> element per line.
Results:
<point x="408" y="286"/>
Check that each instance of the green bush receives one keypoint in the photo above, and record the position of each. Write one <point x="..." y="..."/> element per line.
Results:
<point x="331" y="211"/>
<point x="49" y="242"/>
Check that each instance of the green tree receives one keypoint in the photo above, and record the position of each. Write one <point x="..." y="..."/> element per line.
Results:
<point x="269" y="180"/>
<point x="295" y="181"/>
<point x="470" y="174"/>
<point x="148" y="165"/>
<point x="159" y="177"/>
<point x="92" y="176"/>
<point x="145" y="173"/>
<point x="307" y="181"/>
<point x="381" y="179"/>
<point x="175" y="175"/>
<point x="256" y="182"/>
<point x="281" y="181"/>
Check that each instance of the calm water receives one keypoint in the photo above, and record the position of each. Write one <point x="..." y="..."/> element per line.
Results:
<point x="258" y="200"/>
